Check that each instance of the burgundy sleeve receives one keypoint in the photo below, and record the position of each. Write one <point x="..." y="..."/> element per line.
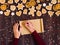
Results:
<point x="15" y="42"/>
<point x="38" y="39"/>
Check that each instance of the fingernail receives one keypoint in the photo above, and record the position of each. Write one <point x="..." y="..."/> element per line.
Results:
<point x="27" y="23"/>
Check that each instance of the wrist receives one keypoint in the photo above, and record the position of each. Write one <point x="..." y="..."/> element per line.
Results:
<point x="16" y="37"/>
<point x="32" y="30"/>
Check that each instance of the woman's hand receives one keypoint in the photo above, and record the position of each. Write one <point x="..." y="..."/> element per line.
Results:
<point x="16" y="31"/>
<point x="29" y="26"/>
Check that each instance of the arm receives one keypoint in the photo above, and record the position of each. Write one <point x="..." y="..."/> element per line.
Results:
<point x="38" y="39"/>
<point x="35" y="35"/>
<point x="16" y="34"/>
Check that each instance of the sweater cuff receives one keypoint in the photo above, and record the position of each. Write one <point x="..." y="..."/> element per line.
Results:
<point x="16" y="39"/>
<point x="15" y="42"/>
<point x="34" y="33"/>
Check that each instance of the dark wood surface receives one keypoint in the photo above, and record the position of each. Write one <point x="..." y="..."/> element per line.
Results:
<point x="51" y="27"/>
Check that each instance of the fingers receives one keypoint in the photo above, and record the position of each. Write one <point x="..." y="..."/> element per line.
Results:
<point x="29" y="26"/>
<point x="15" y="27"/>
